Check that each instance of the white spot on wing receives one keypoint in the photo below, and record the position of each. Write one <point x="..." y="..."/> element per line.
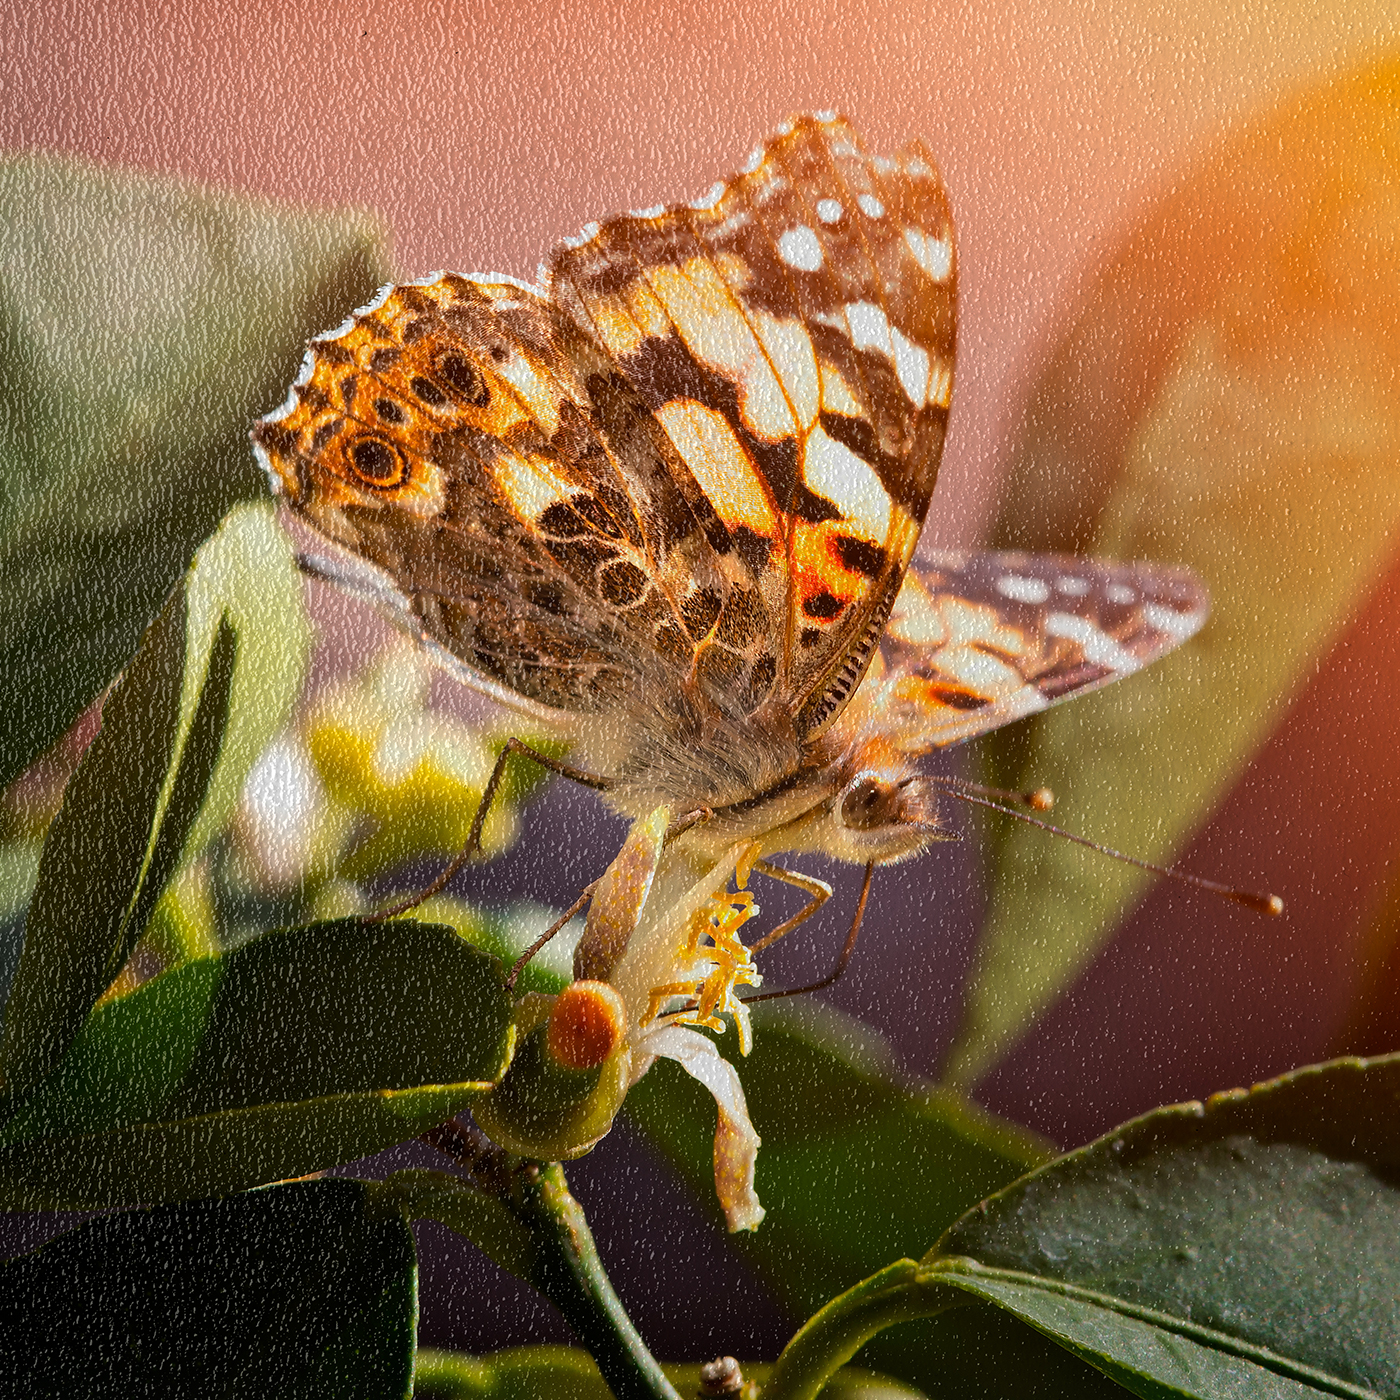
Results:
<point x="1177" y="625"/>
<point x="934" y="255"/>
<point x="654" y="212"/>
<point x="870" y="330"/>
<point x="832" y="470"/>
<point x="710" y="198"/>
<point x="826" y="115"/>
<point x="829" y="210"/>
<point x="1096" y="644"/>
<point x="871" y="207"/>
<point x="1072" y="587"/>
<point x="911" y="365"/>
<point x="1120" y="593"/>
<point x="801" y="248"/>
<point x="753" y="162"/>
<point x="1022" y="589"/>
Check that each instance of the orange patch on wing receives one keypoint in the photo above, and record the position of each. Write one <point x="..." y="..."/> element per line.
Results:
<point x="618" y="330"/>
<point x="705" y="440"/>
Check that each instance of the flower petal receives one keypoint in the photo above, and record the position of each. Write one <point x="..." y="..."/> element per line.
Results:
<point x="617" y="902"/>
<point x="736" y="1143"/>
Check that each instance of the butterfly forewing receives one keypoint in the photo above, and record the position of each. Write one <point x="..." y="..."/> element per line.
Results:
<point x="806" y="397"/>
<point x="678" y="490"/>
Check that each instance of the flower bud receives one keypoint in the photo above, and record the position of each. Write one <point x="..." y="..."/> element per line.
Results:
<point x="586" y="1025"/>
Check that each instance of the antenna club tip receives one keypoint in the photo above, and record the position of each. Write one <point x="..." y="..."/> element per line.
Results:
<point x="1040" y="800"/>
<point x="1269" y="904"/>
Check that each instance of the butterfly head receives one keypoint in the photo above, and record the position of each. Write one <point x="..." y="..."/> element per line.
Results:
<point x="884" y="814"/>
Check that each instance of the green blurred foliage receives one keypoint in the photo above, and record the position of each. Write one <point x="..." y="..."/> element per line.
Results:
<point x="143" y="323"/>
<point x="1228" y="397"/>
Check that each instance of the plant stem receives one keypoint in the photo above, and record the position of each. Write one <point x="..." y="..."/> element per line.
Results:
<point x="827" y="1340"/>
<point x="568" y="1271"/>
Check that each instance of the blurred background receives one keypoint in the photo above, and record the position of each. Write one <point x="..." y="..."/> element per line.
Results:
<point x="1179" y="234"/>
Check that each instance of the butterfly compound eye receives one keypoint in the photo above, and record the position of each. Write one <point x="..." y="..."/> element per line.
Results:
<point x="868" y="803"/>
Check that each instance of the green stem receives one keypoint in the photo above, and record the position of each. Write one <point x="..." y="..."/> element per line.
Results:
<point x="831" y="1337"/>
<point x="568" y="1271"/>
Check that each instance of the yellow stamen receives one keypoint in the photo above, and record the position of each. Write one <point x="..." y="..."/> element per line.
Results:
<point x="712" y="938"/>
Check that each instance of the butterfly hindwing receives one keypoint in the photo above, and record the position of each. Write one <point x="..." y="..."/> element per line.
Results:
<point x="978" y="640"/>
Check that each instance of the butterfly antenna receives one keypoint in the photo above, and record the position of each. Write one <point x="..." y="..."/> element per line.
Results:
<point x="1261" y="903"/>
<point x="1039" y="799"/>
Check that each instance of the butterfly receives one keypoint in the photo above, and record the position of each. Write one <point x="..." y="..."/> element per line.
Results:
<point x="667" y="503"/>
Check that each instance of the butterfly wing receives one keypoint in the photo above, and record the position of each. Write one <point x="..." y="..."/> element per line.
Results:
<point x="793" y="334"/>
<point x="485" y="473"/>
<point x="689" y="478"/>
<point x="978" y="640"/>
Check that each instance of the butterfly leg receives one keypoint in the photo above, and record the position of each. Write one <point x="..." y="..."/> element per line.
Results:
<point x="585" y="894"/>
<point x="846" y="952"/>
<point x="488" y="796"/>
<point x="819" y="890"/>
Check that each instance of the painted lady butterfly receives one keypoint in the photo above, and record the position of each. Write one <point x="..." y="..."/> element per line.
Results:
<point x="668" y="503"/>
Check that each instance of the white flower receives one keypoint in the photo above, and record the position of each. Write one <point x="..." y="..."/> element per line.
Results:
<point x="663" y="938"/>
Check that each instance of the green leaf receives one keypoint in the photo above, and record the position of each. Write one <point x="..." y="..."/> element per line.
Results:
<point x="302" y="1290"/>
<point x="144" y="322"/>
<point x="1261" y="1225"/>
<point x="213" y="680"/>
<point x="110" y="844"/>
<point x="1225" y="399"/>
<point x="963" y="1351"/>
<point x="295" y="1052"/>
<point x="1160" y="1362"/>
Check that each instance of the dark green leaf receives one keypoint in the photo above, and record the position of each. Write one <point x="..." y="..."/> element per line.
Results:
<point x="79" y="928"/>
<point x="1159" y="1362"/>
<point x="1225" y="399"/>
<point x="1263" y="1224"/>
<point x="295" y="1052"/>
<point x="302" y="1290"/>
<point x="144" y="322"/>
